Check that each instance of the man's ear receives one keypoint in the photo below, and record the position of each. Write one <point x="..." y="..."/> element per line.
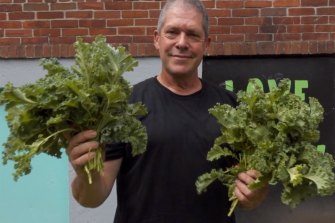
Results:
<point x="156" y="39"/>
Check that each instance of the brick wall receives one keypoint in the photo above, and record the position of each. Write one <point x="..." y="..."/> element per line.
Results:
<point x="44" y="28"/>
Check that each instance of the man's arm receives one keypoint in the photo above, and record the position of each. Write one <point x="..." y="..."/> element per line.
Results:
<point x="80" y="150"/>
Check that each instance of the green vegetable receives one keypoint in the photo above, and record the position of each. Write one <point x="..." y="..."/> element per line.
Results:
<point x="273" y="133"/>
<point x="91" y="95"/>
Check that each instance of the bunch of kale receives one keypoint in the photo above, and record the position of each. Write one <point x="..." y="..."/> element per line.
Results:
<point x="273" y="133"/>
<point x="91" y="95"/>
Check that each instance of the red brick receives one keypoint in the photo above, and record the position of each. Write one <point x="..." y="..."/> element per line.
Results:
<point x="10" y="8"/>
<point x="38" y="51"/>
<point x="209" y="4"/>
<point x="9" y="41"/>
<point x="265" y="48"/>
<point x="120" y="22"/>
<point x="30" y="51"/>
<point x="134" y="14"/>
<point x="143" y="39"/>
<point x="13" y="51"/>
<point x="21" y="15"/>
<point x="287" y="37"/>
<point x="79" y="14"/>
<point x="257" y="4"/>
<point x="62" y="40"/>
<point x="35" y="7"/>
<point x="3" y="16"/>
<point x="102" y="31"/>
<point x="64" y="23"/>
<point x="244" y="29"/>
<point x="131" y="31"/>
<point x="63" y="6"/>
<point x="119" y="6"/>
<point x="230" y="21"/>
<point x="315" y="20"/>
<point x="273" y="12"/>
<point x="146" y="22"/>
<point x="3" y="51"/>
<point x="107" y="14"/>
<point x="300" y="28"/>
<point x="229" y="4"/>
<point x="10" y="24"/>
<point x="46" y="50"/>
<point x="272" y="29"/>
<point x="299" y="48"/>
<point x="230" y="38"/>
<point x="150" y="30"/>
<point x="120" y="39"/>
<point x="331" y="2"/>
<point x="219" y="13"/>
<point x="154" y="13"/>
<point x="36" y="24"/>
<point x="249" y="48"/>
<point x="326" y="11"/>
<point x="325" y="28"/>
<point x="245" y="12"/>
<point x="219" y="29"/>
<point x="75" y="32"/>
<point x="34" y="40"/>
<point x="301" y="11"/>
<point x="331" y="19"/>
<point x="286" y="20"/>
<point x="47" y="32"/>
<point x="315" y="36"/>
<point x="286" y="3"/>
<point x="91" y="5"/>
<point x="92" y="23"/>
<point x="314" y="2"/>
<point x="18" y="33"/>
<point x="213" y="21"/>
<point x="266" y="21"/>
<point x="145" y="5"/>
<point x="282" y="48"/>
<point x="50" y="15"/>
<point x="55" y="50"/>
<point x="256" y="37"/>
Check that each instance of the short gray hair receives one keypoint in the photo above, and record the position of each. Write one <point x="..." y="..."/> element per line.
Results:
<point x="196" y="4"/>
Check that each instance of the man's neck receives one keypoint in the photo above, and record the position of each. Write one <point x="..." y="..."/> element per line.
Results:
<point x="180" y="86"/>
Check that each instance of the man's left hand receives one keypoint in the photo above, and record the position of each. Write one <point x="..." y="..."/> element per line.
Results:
<point x="249" y="198"/>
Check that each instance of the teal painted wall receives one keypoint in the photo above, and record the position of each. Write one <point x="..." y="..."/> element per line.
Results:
<point x="40" y="197"/>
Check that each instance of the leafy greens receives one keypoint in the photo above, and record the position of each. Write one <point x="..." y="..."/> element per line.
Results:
<point x="273" y="133"/>
<point x="91" y="95"/>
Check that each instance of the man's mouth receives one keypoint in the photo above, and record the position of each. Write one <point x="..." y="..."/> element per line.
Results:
<point x="182" y="56"/>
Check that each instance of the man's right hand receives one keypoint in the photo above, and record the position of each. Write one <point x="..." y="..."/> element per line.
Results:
<point x="81" y="149"/>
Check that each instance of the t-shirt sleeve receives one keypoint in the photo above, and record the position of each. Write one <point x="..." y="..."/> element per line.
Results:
<point x="115" y="151"/>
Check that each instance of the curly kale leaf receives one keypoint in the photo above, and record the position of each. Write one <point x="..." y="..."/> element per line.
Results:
<point x="92" y="94"/>
<point x="273" y="133"/>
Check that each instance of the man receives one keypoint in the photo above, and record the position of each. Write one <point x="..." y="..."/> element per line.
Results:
<point x="159" y="186"/>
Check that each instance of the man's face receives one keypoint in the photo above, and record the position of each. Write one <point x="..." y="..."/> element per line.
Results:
<point x="181" y="41"/>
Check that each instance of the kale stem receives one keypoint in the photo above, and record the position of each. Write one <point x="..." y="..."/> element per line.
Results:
<point x="54" y="134"/>
<point x="233" y="205"/>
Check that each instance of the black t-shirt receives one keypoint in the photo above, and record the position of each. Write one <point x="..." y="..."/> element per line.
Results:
<point x="159" y="185"/>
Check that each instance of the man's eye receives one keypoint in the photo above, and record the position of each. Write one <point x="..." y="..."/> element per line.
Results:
<point x="171" y="34"/>
<point x="194" y="37"/>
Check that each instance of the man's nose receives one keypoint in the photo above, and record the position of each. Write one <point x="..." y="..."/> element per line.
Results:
<point x="182" y="41"/>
